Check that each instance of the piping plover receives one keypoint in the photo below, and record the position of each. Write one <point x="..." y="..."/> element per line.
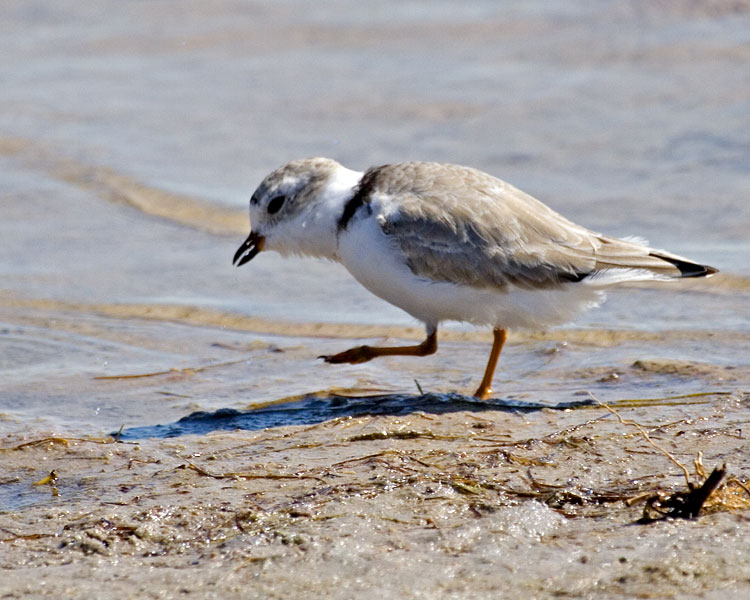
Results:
<point x="446" y="242"/>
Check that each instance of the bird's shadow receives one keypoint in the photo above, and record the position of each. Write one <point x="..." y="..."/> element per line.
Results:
<point x="316" y="408"/>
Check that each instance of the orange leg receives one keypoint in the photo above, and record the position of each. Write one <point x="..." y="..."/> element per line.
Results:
<point x="362" y="354"/>
<point x="485" y="390"/>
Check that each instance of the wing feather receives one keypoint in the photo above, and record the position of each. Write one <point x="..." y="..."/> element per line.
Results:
<point x="460" y="225"/>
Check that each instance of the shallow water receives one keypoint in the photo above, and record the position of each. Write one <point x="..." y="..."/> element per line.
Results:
<point x="131" y="136"/>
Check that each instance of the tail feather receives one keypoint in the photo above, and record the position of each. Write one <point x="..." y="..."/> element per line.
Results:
<point x="687" y="268"/>
<point x="621" y="260"/>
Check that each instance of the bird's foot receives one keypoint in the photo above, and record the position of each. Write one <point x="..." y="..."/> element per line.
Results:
<point x="359" y="354"/>
<point x="483" y="393"/>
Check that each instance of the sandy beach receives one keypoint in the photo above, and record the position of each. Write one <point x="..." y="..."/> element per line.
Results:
<point x="166" y="427"/>
<point x="402" y="495"/>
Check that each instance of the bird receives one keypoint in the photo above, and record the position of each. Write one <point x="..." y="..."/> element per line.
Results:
<point x="445" y="242"/>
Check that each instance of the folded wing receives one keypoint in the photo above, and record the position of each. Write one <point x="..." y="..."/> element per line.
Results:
<point x="460" y="225"/>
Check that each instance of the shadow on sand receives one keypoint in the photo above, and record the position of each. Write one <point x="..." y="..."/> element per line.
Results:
<point x="317" y="408"/>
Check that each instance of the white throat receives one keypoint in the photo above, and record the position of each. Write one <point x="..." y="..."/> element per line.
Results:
<point x="314" y="231"/>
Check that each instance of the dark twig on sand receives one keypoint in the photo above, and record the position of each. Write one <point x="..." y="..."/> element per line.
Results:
<point x="682" y="505"/>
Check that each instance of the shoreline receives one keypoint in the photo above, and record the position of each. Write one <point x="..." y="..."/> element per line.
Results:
<point x="402" y="495"/>
<point x="441" y="503"/>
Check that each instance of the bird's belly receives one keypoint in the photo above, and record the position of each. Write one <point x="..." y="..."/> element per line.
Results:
<point x="369" y="256"/>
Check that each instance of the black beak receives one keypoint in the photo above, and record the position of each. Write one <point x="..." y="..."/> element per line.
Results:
<point x="249" y="248"/>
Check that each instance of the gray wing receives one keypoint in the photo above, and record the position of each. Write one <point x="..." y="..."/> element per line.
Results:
<point x="460" y="225"/>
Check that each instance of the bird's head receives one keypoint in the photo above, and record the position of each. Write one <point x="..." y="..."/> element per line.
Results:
<point x="294" y="209"/>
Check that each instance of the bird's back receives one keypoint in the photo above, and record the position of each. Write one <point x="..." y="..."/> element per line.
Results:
<point x="460" y="225"/>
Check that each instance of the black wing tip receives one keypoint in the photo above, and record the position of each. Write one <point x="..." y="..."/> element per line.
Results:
<point x="710" y="270"/>
<point x="687" y="268"/>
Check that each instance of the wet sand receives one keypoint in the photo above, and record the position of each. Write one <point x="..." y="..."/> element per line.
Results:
<point x="436" y="499"/>
<point x="199" y="446"/>
<point x="333" y="494"/>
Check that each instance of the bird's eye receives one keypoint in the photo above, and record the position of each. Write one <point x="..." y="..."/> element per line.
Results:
<point x="275" y="204"/>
